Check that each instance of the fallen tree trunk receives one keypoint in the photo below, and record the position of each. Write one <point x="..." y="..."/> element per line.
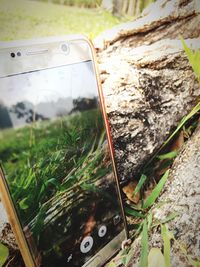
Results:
<point x="147" y="80"/>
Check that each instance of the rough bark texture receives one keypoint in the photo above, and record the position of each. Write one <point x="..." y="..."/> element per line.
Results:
<point x="181" y="195"/>
<point x="147" y="80"/>
<point x="182" y="191"/>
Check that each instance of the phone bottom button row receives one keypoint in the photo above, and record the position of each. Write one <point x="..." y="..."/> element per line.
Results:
<point x="86" y="244"/>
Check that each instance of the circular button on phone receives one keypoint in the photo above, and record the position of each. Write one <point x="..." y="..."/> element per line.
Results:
<point x="86" y="244"/>
<point x="102" y="231"/>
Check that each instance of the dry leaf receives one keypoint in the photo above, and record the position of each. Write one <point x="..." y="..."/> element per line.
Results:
<point x="89" y="225"/>
<point x="156" y="258"/>
<point x="147" y="193"/>
<point x="176" y="146"/>
<point x="129" y="192"/>
<point x="178" y="142"/>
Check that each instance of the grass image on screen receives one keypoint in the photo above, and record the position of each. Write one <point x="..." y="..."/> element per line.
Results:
<point x="58" y="170"/>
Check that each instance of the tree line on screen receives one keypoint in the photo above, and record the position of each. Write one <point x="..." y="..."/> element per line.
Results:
<point x="24" y="110"/>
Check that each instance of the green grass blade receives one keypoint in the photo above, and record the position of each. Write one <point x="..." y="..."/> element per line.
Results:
<point x="156" y="258"/>
<point x="194" y="111"/>
<point x="3" y="254"/>
<point x="183" y="121"/>
<point x="169" y="155"/>
<point x="166" y="236"/>
<point x="169" y="218"/>
<point x="156" y="191"/>
<point x="134" y="213"/>
<point x="127" y="257"/>
<point x="194" y="58"/>
<point x="140" y="184"/>
<point x="144" y="246"/>
<point x="112" y="264"/>
<point x="138" y="231"/>
<point x="149" y="220"/>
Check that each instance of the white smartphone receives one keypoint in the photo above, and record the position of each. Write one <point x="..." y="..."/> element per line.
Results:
<point x="58" y="179"/>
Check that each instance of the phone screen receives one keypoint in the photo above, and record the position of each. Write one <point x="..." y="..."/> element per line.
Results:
<point x="55" y="159"/>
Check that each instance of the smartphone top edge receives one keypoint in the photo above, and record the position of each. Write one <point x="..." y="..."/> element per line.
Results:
<point x="44" y="40"/>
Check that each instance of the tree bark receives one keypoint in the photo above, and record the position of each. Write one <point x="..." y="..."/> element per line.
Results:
<point x="180" y="196"/>
<point x="147" y="80"/>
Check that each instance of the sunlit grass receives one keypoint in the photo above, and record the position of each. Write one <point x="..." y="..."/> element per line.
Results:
<point x="58" y="149"/>
<point x="23" y="19"/>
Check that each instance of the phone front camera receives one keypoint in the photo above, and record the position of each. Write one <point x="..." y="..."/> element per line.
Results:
<point x="64" y="48"/>
<point x="12" y="55"/>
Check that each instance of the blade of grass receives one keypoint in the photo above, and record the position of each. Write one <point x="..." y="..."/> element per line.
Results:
<point x="166" y="220"/>
<point x="138" y="231"/>
<point x="112" y="264"/>
<point x="144" y="246"/>
<point x="169" y="155"/>
<point x="183" y="121"/>
<point x="149" y="220"/>
<point x="3" y="254"/>
<point x="137" y="207"/>
<point x="140" y="184"/>
<point x="170" y="217"/>
<point x="166" y="236"/>
<point x="194" y="58"/>
<point x="194" y="111"/>
<point x="156" y="191"/>
<point x="126" y="259"/>
<point x="134" y="213"/>
<point x="156" y="258"/>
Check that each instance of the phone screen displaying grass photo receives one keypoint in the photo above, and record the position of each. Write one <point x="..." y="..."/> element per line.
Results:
<point x="55" y="158"/>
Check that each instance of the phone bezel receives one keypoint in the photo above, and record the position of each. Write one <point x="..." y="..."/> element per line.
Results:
<point x="35" y="46"/>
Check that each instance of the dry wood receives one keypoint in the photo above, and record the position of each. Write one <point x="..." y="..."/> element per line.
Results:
<point x="147" y="80"/>
<point x="180" y="196"/>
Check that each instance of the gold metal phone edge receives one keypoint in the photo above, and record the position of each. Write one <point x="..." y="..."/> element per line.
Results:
<point x="15" y="224"/>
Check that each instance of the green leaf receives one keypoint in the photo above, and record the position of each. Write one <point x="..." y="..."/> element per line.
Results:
<point x="149" y="220"/>
<point x="138" y="231"/>
<point x="170" y="217"/>
<point x="3" y="254"/>
<point x="23" y="203"/>
<point x="166" y="236"/>
<point x="169" y="155"/>
<point x="134" y="213"/>
<point x="127" y="257"/>
<point x="112" y="264"/>
<point x="52" y="181"/>
<point x="194" y="58"/>
<point x="155" y="258"/>
<point x="166" y="220"/>
<point x="194" y="111"/>
<point x="183" y="121"/>
<point x="144" y="246"/>
<point x="140" y="184"/>
<point x="156" y="191"/>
